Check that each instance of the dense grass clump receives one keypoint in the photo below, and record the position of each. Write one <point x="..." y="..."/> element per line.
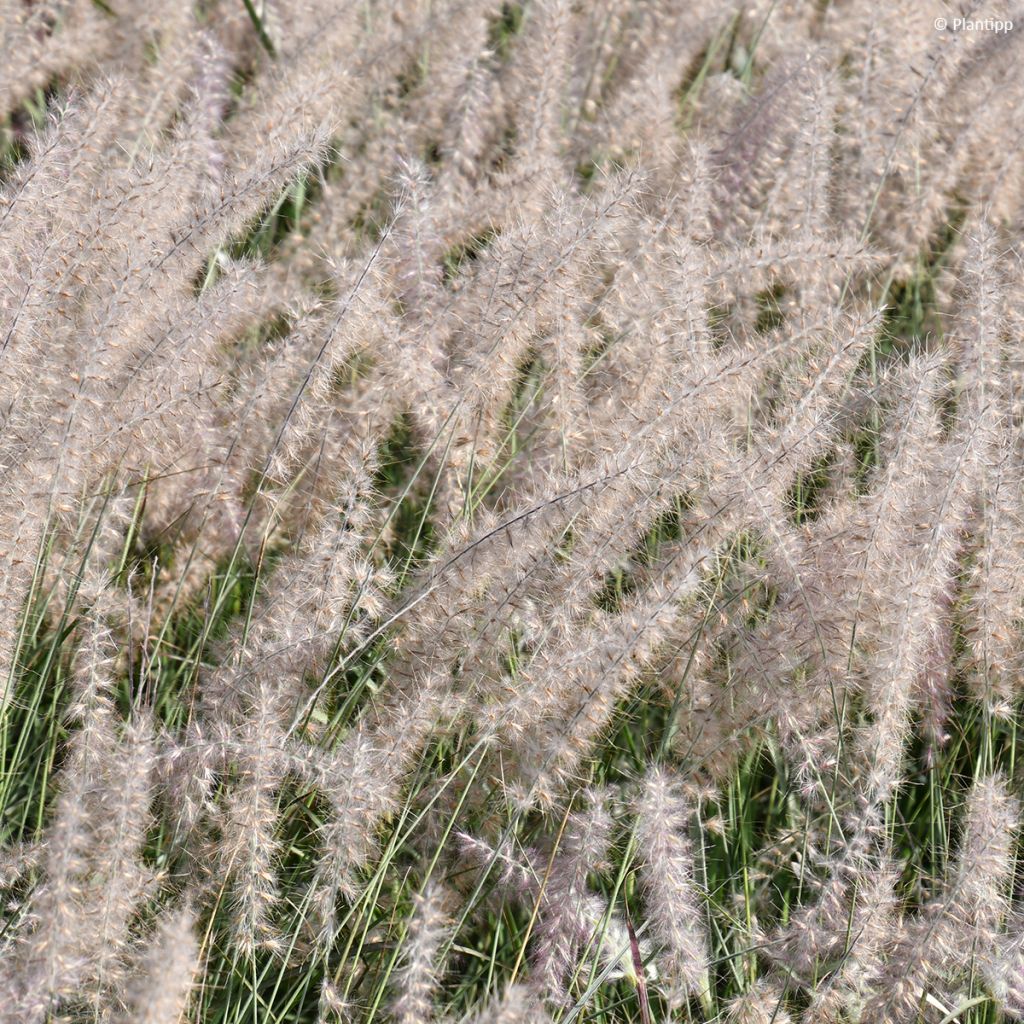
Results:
<point x="511" y="512"/>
